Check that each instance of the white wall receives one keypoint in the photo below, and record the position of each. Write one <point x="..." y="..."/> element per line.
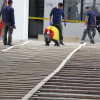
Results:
<point x="72" y="29"/>
<point x="21" y="8"/>
<point x="75" y="29"/>
<point x="21" y="18"/>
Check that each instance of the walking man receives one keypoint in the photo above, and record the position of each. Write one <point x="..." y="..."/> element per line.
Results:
<point x="58" y="13"/>
<point x="90" y="23"/>
<point x="9" y="23"/>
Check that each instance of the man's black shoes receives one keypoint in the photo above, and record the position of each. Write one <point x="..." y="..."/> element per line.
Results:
<point x="5" y="44"/>
<point x="57" y="44"/>
<point x="10" y="45"/>
<point x="62" y="43"/>
<point x="46" y="44"/>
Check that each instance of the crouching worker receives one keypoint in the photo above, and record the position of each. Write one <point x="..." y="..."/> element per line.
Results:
<point x="53" y="35"/>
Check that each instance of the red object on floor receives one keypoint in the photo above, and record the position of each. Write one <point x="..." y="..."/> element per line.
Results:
<point x="1" y="22"/>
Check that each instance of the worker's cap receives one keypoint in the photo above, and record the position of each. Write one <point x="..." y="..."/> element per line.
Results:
<point x="60" y="4"/>
<point x="10" y="1"/>
<point x="87" y="7"/>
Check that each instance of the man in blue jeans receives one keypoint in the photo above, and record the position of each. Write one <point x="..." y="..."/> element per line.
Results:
<point x="9" y="23"/>
<point x="58" y="13"/>
<point x="90" y="23"/>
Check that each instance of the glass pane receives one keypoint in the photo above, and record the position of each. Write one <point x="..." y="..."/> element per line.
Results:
<point x="1" y="4"/>
<point x="72" y="9"/>
<point x="94" y="4"/>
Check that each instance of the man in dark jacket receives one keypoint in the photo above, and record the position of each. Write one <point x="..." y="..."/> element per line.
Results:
<point x="90" y="22"/>
<point x="97" y="26"/>
<point x="98" y="23"/>
<point x="58" y="13"/>
<point x="9" y="23"/>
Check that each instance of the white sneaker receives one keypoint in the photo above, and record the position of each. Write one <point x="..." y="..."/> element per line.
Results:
<point x="82" y="42"/>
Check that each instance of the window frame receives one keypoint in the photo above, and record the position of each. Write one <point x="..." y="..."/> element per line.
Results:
<point x="81" y="17"/>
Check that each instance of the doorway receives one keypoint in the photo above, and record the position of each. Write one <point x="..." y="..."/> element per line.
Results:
<point x="36" y="9"/>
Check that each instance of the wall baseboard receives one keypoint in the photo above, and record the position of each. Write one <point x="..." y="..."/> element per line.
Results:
<point x="69" y="39"/>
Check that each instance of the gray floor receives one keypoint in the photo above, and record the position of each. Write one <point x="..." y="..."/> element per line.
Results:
<point x="14" y="43"/>
<point x="79" y="79"/>
<point x="23" y="67"/>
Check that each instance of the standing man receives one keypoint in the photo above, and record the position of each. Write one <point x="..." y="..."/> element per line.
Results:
<point x="97" y="26"/>
<point x="58" y="13"/>
<point x="90" y="22"/>
<point x="98" y="23"/>
<point x="9" y="23"/>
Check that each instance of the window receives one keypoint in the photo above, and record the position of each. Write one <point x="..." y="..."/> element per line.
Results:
<point x="36" y="8"/>
<point x="72" y="9"/>
<point x="75" y="9"/>
<point x="94" y="4"/>
<point x="1" y="5"/>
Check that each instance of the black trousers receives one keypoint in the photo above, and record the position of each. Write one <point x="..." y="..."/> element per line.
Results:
<point x="59" y="27"/>
<point x="48" y="39"/>
<point x="7" y="29"/>
<point x="93" y="32"/>
<point x="88" y="31"/>
<point x="98" y="29"/>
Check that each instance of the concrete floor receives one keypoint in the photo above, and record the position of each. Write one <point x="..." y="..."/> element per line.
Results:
<point x="24" y="66"/>
<point x="14" y="43"/>
<point x="79" y="79"/>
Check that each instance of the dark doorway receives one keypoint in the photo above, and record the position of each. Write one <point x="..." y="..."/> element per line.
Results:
<point x="36" y="9"/>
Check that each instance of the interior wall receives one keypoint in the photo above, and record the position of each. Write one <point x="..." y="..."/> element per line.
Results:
<point x="21" y="8"/>
<point x="72" y="29"/>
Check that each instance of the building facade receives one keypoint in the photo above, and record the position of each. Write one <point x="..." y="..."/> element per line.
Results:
<point x="31" y="28"/>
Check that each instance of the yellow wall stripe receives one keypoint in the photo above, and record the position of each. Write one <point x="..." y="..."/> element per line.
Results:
<point x="39" y="18"/>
